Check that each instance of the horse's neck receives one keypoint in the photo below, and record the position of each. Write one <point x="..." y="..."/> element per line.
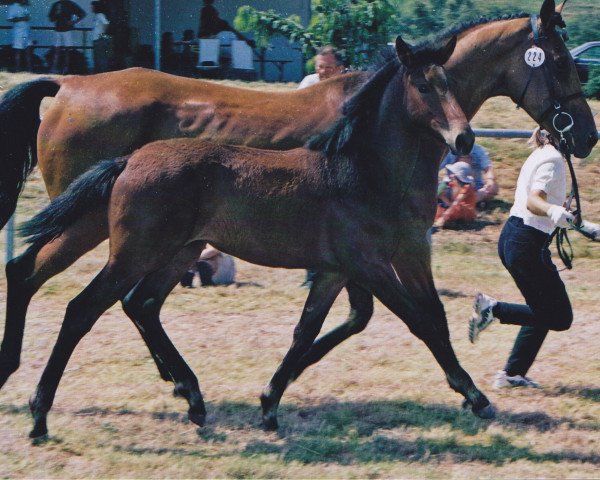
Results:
<point x="482" y="56"/>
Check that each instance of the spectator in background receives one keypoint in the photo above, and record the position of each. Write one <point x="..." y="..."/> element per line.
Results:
<point x="188" y="58"/>
<point x="18" y="15"/>
<point x="211" y="24"/>
<point x="214" y="268"/>
<point x="328" y="63"/>
<point x="102" y="42"/>
<point x="456" y="196"/>
<point x="65" y="14"/>
<point x="483" y="172"/>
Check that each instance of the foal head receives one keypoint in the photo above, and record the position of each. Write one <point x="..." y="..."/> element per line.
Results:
<point x="546" y="82"/>
<point x="429" y="103"/>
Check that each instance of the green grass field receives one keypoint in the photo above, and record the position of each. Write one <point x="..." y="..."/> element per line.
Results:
<point x="377" y="407"/>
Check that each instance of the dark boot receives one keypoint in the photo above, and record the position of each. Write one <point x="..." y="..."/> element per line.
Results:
<point x="187" y="279"/>
<point x="206" y="273"/>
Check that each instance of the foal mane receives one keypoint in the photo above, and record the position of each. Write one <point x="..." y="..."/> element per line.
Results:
<point x="357" y="112"/>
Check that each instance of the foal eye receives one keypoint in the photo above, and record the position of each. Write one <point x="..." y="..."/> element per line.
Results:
<point x="424" y="88"/>
<point x="561" y="64"/>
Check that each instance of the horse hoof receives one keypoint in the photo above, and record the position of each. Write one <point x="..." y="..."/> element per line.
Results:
<point x="488" y="412"/>
<point x="270" y="422"/>
<point x="39" y="434"/>
<point x="197" y="418"/>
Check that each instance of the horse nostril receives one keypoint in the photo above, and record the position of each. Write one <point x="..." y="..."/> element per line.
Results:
<point x="592" y="140"/>
<point x="464" y="143"/>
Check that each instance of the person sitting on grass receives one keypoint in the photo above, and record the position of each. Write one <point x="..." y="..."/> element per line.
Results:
<point x="456" y="196"/>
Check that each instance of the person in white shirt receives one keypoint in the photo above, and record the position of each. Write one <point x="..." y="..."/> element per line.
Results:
<point x="523" y="248"/>
<point x="102" y="43"/>
<point x="18" y="15"/>
<point x="328" y="63"/>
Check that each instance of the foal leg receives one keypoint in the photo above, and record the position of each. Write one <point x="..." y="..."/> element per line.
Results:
<point x="82" y="312"/>
<point x="143" y="305"/>
<point x="324" y="291"/>
<point x="28" y="272"/>
<point x="415" y="300"/>
<point x="361" y="311"/>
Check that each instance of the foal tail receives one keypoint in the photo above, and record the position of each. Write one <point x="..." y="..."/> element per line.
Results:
<point x="89" y="191"/>
<point x="19" y="124"/>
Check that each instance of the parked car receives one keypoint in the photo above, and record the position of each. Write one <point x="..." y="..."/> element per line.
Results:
<point x="585" y="55"/>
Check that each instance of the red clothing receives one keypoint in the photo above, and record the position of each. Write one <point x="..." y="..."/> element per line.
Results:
<point x="462" y="208"/>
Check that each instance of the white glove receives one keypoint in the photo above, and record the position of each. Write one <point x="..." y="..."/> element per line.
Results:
<point x="590" y="230"/>
<point x="560" y="216"/>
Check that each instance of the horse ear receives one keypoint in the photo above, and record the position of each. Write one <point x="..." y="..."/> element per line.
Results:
<point x="404" y="52"/>
<point x="559" y="9"/>
<point x="547" y="10"/>
<point x="445" y="52"/>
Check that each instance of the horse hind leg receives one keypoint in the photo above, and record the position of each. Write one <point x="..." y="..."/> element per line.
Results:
<point x="28" y="272"/>
<point x="361" y="311"/>
<point x="323" y="293"/>
<point x="105" y="290"/>
<point x="143" y="305"/>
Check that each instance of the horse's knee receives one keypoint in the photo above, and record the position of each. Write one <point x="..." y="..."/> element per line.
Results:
<point x="138" y="306"/>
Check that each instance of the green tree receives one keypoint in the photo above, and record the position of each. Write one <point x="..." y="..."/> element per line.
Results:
<point x="358" y="28"/>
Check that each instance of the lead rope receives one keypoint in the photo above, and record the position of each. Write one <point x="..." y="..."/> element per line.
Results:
<point x="563" y="244"/>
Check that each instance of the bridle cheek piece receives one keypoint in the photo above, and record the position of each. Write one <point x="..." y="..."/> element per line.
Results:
<point x="556" y="102"/>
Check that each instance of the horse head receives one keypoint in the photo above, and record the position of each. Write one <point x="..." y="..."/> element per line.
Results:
<point x="546" y="83"/>
<point x="429" y="102"/>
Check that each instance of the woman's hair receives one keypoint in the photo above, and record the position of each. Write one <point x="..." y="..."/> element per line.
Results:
<point x="539" y="138"/>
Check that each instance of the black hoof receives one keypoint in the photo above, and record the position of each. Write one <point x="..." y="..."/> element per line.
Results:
<point x="487" y="412"/>
<point x="39" y="433"/>
<point x="197" y="418"/>
<point x="270" y="422"/>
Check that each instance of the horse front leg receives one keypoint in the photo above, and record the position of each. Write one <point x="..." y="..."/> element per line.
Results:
<point x="361" y="311"/>
<point x="409" y="292"/>
<point x="26" y="273"/>
<point x="324" y="291"/>
<point x="143" y="304"/>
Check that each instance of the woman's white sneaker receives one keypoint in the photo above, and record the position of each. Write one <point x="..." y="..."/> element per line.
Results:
<point x="482" y="315"/>
<point x="503" y="380"/>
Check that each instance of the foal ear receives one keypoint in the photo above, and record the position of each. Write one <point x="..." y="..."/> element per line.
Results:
<point x="404" y="52"/>
<point x="444" y="53"/>
<point x="547" y="10"/>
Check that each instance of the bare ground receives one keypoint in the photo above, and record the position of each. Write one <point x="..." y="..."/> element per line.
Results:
<point x="376" y="407"/>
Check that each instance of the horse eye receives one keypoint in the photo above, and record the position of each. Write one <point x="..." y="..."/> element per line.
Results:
<point x="561" y="64"/>
<point x="424" y="88"/>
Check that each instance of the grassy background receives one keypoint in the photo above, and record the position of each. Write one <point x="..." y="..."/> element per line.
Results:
<point x="378" y="406"/>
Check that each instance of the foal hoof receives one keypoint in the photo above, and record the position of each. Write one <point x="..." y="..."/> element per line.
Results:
<point x="39" y="434"/>
<point x="487" y="412"/>
<point x="197" y="418"/>
<point x="270" y="422"/>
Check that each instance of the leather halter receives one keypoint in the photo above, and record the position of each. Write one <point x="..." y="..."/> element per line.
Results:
<point x="555" y="106"/>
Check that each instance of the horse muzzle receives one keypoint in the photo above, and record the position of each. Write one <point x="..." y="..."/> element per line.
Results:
<point x="461" y="143"/>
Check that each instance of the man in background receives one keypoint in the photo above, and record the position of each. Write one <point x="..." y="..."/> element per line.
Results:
<point x="328" y="63"/>
<point x="65" y="14"/>
<point x="18" y="15"/>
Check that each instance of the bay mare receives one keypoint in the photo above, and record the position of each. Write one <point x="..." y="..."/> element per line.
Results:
<point x="473" y="76"/>
<point x="343" y="206"/>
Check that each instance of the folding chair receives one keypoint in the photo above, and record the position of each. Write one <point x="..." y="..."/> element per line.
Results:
<point x="208" y="55"/>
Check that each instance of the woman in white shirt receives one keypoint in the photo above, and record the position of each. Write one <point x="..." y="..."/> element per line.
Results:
<point x="102" y="43"/>
<point x="523" y="248"/>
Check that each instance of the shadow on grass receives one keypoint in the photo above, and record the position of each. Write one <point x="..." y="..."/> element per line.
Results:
<point x="358" y="432"/>
<point x="587" y="393"/>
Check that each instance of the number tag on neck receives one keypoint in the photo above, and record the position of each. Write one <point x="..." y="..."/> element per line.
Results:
<point x="535" y="57"/>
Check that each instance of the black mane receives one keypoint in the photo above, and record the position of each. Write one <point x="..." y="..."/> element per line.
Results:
<point x="435" y="39"/>
<point x="344" y="136"/>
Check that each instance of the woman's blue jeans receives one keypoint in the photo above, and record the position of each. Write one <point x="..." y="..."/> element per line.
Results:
<point x="524" y="253"/>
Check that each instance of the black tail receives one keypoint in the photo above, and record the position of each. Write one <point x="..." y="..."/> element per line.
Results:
<point x="19" y="124"/>
<point x="88" y="192"/>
